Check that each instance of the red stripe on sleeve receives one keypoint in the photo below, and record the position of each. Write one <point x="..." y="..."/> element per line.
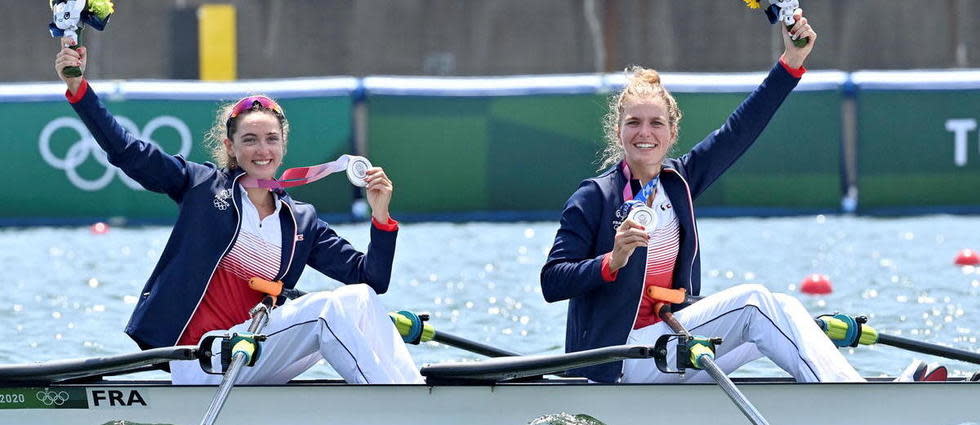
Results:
<point x="390" y="226"/>
<point x="607" y="274"/>
<point x="795" y="72"/>
<point x="74" y="98"/>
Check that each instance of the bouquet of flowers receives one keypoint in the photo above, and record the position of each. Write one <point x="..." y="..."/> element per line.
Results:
<point x="70" y="16"/>
<point x="780" y="11"/>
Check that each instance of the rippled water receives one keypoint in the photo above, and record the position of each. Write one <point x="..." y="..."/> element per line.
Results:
<point x="70" y="292"/>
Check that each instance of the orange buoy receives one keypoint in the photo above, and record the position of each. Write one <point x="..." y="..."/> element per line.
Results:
<point x="99" y="228"/>
<point x="967" y="257"/>
<point x="816" y="284"/>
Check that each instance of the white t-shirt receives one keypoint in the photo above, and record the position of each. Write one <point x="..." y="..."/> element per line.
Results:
<point x="258" y="249"/>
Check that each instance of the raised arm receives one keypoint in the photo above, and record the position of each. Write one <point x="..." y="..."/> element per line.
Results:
<point x="145" y="162"/>
<point x="709" y="159"/>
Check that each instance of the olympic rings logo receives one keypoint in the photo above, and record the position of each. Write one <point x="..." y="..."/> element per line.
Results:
<point x="51" y="398"/>
<point x="86" y="146"/>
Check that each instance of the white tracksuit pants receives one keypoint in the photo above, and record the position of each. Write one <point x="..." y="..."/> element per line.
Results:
<point x="753" y="322"/>
<point x="348" y="327"/>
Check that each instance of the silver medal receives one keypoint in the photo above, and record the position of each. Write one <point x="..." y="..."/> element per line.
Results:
<point x="357" y="167"/>
<point x="644" y="216"/>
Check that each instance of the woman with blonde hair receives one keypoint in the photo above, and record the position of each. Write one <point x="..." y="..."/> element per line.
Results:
<point x="604" y="259"/>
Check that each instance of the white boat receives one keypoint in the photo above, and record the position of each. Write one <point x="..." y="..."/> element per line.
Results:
<point x="330" y="402"/>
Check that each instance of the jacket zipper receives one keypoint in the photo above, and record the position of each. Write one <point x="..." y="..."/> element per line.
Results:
<point x="238" y="229"/>
<point x="643" y="285"/>
<point x="694" y="224"/>
<point x="292" y="253"/>
<point x="639" y="300"/>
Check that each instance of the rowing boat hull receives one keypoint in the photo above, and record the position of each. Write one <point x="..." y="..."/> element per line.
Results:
<point x="784" y="403"/>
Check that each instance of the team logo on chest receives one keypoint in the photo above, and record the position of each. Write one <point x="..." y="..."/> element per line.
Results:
<point x="221" y="199"/>
<point x="622" y="212"/>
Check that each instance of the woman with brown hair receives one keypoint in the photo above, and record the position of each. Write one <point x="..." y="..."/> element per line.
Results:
<point x="230" y="229"/>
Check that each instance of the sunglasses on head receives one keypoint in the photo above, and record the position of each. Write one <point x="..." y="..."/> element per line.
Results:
<point x="251" y="103"/>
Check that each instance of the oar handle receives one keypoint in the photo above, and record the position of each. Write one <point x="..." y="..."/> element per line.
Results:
<point x="671" y="296"/>
<point x="274" y="288"/>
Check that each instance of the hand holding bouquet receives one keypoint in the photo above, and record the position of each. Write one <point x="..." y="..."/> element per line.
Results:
<point x="781" y="11"/>
<point x="70" y="16"/>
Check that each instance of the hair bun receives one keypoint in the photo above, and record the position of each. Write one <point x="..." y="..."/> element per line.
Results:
<point x="645" y="75"/>
<point x="650" y="76"/>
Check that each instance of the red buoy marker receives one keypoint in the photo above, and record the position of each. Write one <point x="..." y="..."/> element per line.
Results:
<point x="967" y="257"/>
<point x="99" y="228"/>
<point x="816" y="284"/>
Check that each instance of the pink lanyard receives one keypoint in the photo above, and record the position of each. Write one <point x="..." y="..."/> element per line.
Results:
<point x="648" y="191"/>
<point x="356" y="167"/>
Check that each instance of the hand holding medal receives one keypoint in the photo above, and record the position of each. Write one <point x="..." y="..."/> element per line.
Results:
<point x="640" y="223"/>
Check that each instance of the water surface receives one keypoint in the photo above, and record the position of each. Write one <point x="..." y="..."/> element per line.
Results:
<point x="70" y="292"/>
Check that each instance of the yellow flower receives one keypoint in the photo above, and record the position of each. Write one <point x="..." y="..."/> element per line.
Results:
<point x="752" y="4"/>
<point x="101" y="8"/>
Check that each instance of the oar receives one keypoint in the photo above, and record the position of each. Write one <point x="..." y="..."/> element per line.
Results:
<point x="518" y="367"/>
<point x="705" y="358"/>
<point x="416" y="330"/>
<point x="406" y="322"/>
<point x="836" y="327"/>
<point x="847" y="331"/>
<point x="89" y="367"/>
<point x="927" y="348"/>
<point x="242" y="353"/>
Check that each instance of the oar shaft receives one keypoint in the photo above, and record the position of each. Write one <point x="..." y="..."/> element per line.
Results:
<point x="231" y="375"/>
<point x="718" y="375"/>
<point x="224" y="389"/>
<point x="472" y="346"/>
<point x="733" y="392"/>
<point x="927" y="348"/>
